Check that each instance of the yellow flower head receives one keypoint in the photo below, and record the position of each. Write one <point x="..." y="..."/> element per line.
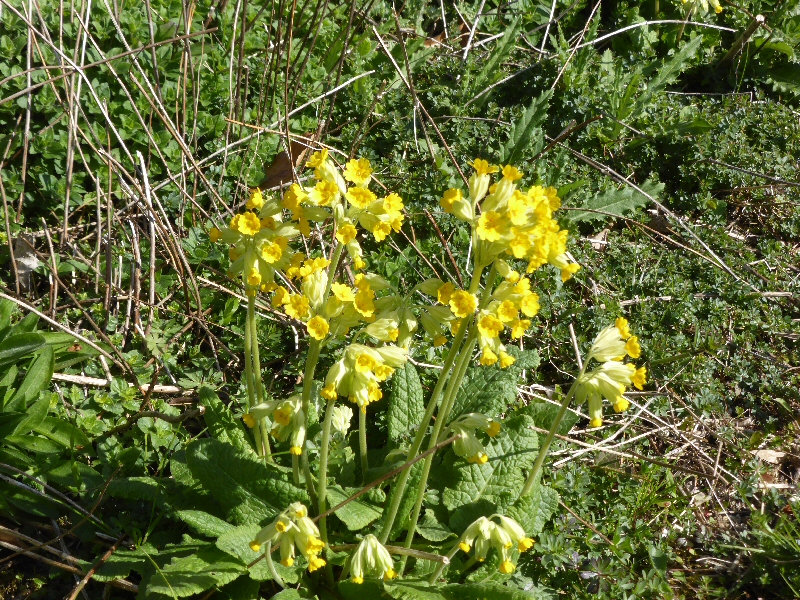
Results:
<point x="511" y="173"/>
<point x="507" y="312"/>
<point x="444" y="293"/>
<point x="392" y="203"/>
<point x="639" y="378"/>
<point x="360" y="197"/>
<point x="342" y="292"/>
<point x="624" y="329"/>
<point x="256" y="201"/>
<point x="247" y="224"/>
<point x="272" y="252"/>
<point x="490" y="226"/>
<point x="346" y="233"/>
<point x="297" y="307"/>
<point x="530" y="304"/>
<point x="463" y="303"/>
<point x="633" y="348"/>
<point x="317" y="158"/>
<point x="506" y="360"/>
<point x="490" y="326"/>
<point x="358" y="171"/>
<point x="254" y="277"/>
<point x="214" y="234"/>
<point x="482" y="167"/>
<point x="317" y="327"/>
<point x="324" y="193"/>
<point x="519" y="327"/>
<point x="450" y="198"/>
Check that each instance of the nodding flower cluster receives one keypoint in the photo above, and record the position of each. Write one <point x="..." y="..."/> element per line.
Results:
<point x="288" y="417"/>
<point x="498" y="532"/>
<point x="611" y="379"/>
<point x="293" y="529"/>
<point x="704" y="4"/>
<point x="468" y="445"/>
<point x="357" y="374"/>
<point x="511" y="222"/>
<point x="371" y="559"/>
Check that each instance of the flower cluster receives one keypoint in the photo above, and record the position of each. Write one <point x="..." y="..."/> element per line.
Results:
<point x="288" y="417"/>
<point x="357" y="374"/>
<point x="611" y="379"/>
<point x="511" y="222"/>
<point x="371" y="559"/>
<point x="293" y="529"/>
<point x="705" y="4"/>
<point x="498" y="532"/>
<point x="468" y="445"/>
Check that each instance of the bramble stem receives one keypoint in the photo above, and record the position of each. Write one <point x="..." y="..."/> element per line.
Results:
<point x="362" y="443"/>
<point x="400" y="486"/>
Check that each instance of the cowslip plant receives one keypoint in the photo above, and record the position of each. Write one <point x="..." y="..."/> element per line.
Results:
<point x="372" y="328"/>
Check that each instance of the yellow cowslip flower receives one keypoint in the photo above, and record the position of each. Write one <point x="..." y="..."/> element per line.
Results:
<point x="507" y="312"/>
<point x="519" y="327"/>
<point x="342" y="292"/>
<point x="371" y="559"/>
<point x="632" y="347"/>
<point x="360" y="197"/>
<point x="485" y="534"/>
<point x="529" y="305"/>
<point x="358" y="171"/>
<point x="624" y="329"/>
<point x="253" y="277"/>
<point x="317" y="327"/>
<point x="381" y="230"/>
<point x="506" y="360"/>
<point x="364" y="302"/>
<point x="444" y="293"/>
<point x="256" y="201"/>
<point x="297" y="307"/>
<point x="482" y="167"/>
<point x="246" y="224"/>
<point x="518" y="209"/>
<point x="450" y="198"/>
<point x="639" y="378"/>
<point x="346" y="233"/>
<point x="280" y="297"/>
<point x="317" y="158"/>
<point x="491" y="226"/>
<point x="271" y="252"/>
<point x="324" y="193"/>
<point x="608" y="381"/>
<point x="293" y="529"/>
<point x="392" y="203"/>
<point x="463" y="303"/>
<point x="439" y="341"/>
<point x="214" y="234"/>
<point x="490" y="326"/>
<point x="488" y="357"/>
<point x="511" y="173"/>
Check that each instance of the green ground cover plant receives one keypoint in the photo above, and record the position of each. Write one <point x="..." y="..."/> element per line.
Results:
<point x="323" y="300"/>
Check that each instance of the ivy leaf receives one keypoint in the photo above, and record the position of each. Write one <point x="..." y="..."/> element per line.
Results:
<point x="615" y="202"/>
<point x="221" y="423"/>
<point x="533" y="511"/>
<point x="356" y="514"/>
<point x="528" y="131"/>
<point x="406" y="405"/>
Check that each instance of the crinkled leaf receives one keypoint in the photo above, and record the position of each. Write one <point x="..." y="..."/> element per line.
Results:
<point x="203" y="523"/>
<point x="221" y="423"/>
<point x="189" y="575"/>
<point x="486" y="390"/>
<point x="543" y="414"/>
<point x="431" y="529"/>
<point x="406" y="404"/>
<point x="412" y="590"/>
<point x="356" y="514"/>
<point x="490" y="591"/>
<point x="407" y="503"/>
<point x="534" y="510"/>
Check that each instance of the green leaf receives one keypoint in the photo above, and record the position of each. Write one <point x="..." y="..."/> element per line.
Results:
<point x="407" y="503"/>
<point x="406" y="404"/>
<point x="786" y="79"/>
<point x="17" y="345"/>
<point x="221" y="423"/>
<point x="498" y="481"/>
<point x="410" y="590"/>
<point x="236" y="542"/>
<point x="245" y="487"/>
<point x="616" y="202"/>
<point x="361" y="591"/>
<point x="9" y="422"/>
<point x="533" y="511"/>
<point x="149" y="489"/>
<point x="489" y="72"/>
<point x="487" y="390"/>
<point x="431" y="529"/>
<point x="189" y="575"/>
<point x="667" y="73"/>
<point x="63" y="433"/>
<point x="245" y="588"/>
<point x="37" y="379"/>
<point x="356" y="514"/>
<point x="527" y="131"/>
<point x="544" y="413"/>
<point x="203" y="523"/>
<point x="35" y="416"/>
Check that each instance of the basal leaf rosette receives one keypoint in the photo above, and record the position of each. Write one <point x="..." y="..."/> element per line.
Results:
<point x="613" y="377"/>
<point x="509" y="221"/>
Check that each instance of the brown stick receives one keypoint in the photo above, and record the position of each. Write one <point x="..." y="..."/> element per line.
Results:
<point x="82" y="583"/>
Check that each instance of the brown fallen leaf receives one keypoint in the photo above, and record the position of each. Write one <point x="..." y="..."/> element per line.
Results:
<point x="771" y="456"/>
<point x="280" y="172"/>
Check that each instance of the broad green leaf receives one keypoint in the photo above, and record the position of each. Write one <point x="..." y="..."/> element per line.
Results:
<point x="356" y="514"/>
<point x="37" y="379"/>
<point x="486" y="390"/>
<point x="667" y="73"/>
<point x="236" y="542"/>
<point x="534" y="510"/>
<point x="431" y="529"/>
<point x="34" y="416"/>
<point x="34" y="443"/>
<point x="221" y="422"/>
<point x="288" y="594"/>
<point x="149" y="489"/>
<point x="370" y="589"/>
<point x="120" y="564"/>
<point x="17" y="345"/>
<point x="527" y="130"/>
<point x="189" y="575"/>
<point x="9" y="422"/>
<point x="407" y="503"/>
<point x="64" y="433"/>
<point x="26" y="325"/>
<point x="203" y="523"/>
<point x="247" y="488"/>
<point x="411" y="590"/>
<point x="543" y="414"/>
<point x="406" y="404"/>
<point x="6" y="310"/>
<point x="245" y="588"/>
<point x="615" y="202"/>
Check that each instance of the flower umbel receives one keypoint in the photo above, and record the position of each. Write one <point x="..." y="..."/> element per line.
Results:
<point x="293" y="529"/>
<point x="371" y="559"/>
